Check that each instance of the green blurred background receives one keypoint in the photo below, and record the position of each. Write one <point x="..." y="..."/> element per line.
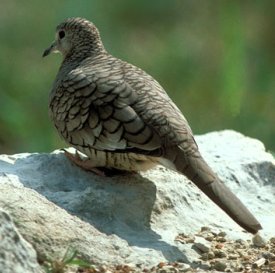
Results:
<point x="216" y="59"/>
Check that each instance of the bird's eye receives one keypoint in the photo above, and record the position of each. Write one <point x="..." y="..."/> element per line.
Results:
<point x="61" y="34"/>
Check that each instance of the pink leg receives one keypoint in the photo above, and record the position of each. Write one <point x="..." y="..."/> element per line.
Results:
<point x="82" y="163"/>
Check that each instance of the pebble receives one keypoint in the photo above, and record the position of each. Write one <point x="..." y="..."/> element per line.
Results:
<point x="239" y="268"/>
<point x="236" y="267"/>
<point x="205" y="266"/>
<point x="183" y="267"/>
<point x="241" y="242"/>
<point x="208" y="256"/>
<point x="222" y="234"/>
<point x="220" y="239"/>
<point x="220" y="254"/>
<point x="238" y="245"/>
<point x="240" y="252"/>
<point x="205" y="229"/>
<point x="219" y="246"/>
<point x="189" y="240"/>
<point x="258" y="241"/>
<point x="219" y="266"/>
<point x="103" y="268"/>
<point x="259" y="263"/>
<point x="202" y="244"/>
<point x="233" y="256"/>
<point x="185" y="239"/>
<point x="272" y="240"/>
<point x="209" y="237"/>
<point x="167" y="269"/>
<point x="269" y="255"/>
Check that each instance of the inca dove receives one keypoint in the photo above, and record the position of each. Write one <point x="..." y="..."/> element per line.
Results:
<point x="121" y="118"/>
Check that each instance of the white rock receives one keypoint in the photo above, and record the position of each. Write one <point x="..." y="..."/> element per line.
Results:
<point x="133" y="218"/>
<point x="16" y="254"/>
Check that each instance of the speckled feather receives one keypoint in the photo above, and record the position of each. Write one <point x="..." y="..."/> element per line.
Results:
<point x="119" y="115"/>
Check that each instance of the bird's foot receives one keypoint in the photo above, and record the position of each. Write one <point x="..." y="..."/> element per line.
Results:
<point x="84" y="163"/>
<point x="88" y="164"/>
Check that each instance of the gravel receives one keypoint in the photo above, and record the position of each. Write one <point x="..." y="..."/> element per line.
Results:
<point x="226" y="256"/>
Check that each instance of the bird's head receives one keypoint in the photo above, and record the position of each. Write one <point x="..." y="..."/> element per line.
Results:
<point x="75" y="36"/>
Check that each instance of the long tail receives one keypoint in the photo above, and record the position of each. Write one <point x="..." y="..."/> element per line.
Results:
<point x="198" y="171"/>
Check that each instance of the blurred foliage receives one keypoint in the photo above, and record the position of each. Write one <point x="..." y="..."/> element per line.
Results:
<point x="216" y="59"/>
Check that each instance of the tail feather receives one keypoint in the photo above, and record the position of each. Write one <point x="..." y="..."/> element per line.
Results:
<point x="198" y="171"/>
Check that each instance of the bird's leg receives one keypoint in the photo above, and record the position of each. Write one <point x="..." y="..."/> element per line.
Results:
<point x="84" y="163"/>
<point x="107" y="163"/>
<point x="89" y="164"/>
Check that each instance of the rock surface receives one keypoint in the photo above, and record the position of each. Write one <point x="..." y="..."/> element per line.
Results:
<point x="16" y="255"/>
<point x="133" y="219"/>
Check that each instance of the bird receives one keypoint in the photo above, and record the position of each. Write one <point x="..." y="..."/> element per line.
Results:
<point x="121" y="118"/>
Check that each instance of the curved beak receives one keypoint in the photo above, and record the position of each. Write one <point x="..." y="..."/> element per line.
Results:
<point x="50" y="49"/>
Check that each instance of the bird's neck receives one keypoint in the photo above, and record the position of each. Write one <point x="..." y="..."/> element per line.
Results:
<point x="84" y="51"/>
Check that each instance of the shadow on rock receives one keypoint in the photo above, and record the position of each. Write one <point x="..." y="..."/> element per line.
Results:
<point x="121" y="205"/>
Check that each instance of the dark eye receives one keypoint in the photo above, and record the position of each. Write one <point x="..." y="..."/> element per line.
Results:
<point x="61" y="34"/>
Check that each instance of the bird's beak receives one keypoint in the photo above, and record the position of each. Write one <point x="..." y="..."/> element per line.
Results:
<point x="50" y="49"/>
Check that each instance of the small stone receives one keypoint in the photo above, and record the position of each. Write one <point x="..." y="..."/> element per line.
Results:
<point x="258" y="241"/>
<point x="204" y="256"/>
<point x="219" y="266"/>
<point x="241" y="242"/>
<point x="205" y="266"/>
<point x="203" y="229"/>
<point x="208" y="256"/>
<point x="128" y="267"/>
<point x="240" y="252"/>
<point x="259" y="263"/>
<point x="185" y="239"/>
<point x="219" y="246"/>
<point x="236" y="266"/>
<point x="220" y="254"/>
<point x="209" y="237"/>
<point x="220" y="239"/>
<point x="239" y="268"/>
<point x="167" y="269"/>
<point x="189" y="240"/>
<point x="202" y="244"/>
<point x="268" y="255"/>
<point x="211" y="255"/>
<point x="161" y="264"/>
<point x="215" y="232"/>
<point x="233" y="256"/>
<point x="246" y="257"/>
<point x="222" y="234"/>
<point x="272" y="240"/>
<point x="103" y="268"/>
<point x="182" y="267"/>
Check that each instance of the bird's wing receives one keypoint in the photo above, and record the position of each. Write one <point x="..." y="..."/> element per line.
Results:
<point x="106" y="111"/>
<point x="123" y="109"/>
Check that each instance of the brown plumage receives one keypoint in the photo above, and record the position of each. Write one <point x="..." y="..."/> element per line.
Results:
<point x="120" y="117"/>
